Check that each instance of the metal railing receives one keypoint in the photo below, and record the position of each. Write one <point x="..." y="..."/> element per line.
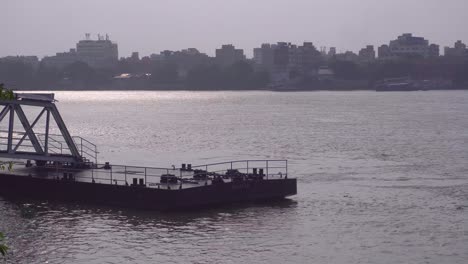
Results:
<point x="150" y="176"/>
<point x="56" y="144"/>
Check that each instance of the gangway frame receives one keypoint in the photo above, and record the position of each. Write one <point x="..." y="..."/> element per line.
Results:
<point x="41" y="152"/>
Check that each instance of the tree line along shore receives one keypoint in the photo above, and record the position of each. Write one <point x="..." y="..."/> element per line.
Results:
<point x="242" y="75"/>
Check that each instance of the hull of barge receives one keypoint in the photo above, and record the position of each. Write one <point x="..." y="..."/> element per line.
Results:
<point x="161" y="199"/>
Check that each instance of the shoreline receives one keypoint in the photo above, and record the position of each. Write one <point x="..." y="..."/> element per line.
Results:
<point x="230" y="90"/>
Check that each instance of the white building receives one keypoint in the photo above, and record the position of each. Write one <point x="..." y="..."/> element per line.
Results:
<point x="407" y="45"/>
<point x="100" y="53"/>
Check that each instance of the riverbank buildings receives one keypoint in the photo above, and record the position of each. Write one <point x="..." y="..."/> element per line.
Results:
<point x="100" y="53"/>
<point x="407" y="46"/>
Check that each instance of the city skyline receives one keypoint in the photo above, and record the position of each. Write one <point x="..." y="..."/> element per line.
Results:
<point x="149" y="27"/>
<point x="247" y="54"/>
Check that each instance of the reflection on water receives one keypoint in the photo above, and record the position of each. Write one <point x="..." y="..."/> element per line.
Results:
<point x="62" y="233"/>
<point x="382" y="179"/>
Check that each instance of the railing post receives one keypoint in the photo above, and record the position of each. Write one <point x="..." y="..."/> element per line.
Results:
<point x="81" y="146"/>
<point x="286" y="168"/>
<point x="110" y="173"/>
<point x="46" y="144"/>
<point x="145" y="176"/>
<point x="267" y="169"/>
<point x="10" y="129"/>
<point x="231" y="165"/>
<point x="125" y="168"/>
<point x="247" y="167"/>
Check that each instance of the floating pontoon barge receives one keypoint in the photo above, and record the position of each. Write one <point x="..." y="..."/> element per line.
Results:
<point x="65" y="168"/>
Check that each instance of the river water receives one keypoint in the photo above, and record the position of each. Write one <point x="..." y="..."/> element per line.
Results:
<point x="382" y="178"/>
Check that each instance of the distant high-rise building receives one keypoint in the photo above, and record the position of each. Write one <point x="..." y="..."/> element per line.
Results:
<point x="408" y="45"/>
<point x="347" y="56"/>
<point x="434" y="50"/>
<point x="367" y="54"/>
<point x="228" y="55"/>
<point x="61" y="59"/>
<point x="263" y="57"/>
<point x="308" y="56"/>
<point x="281" y="54"/>
<point x="185" y="60"/>
<point x="28" y="60"/>
<point x="100" y="53"/>
<point x="135" y="56"/>
<point x="458" y="50"/>
<point x="284" y="60"/>
<point x="384" y="52"/>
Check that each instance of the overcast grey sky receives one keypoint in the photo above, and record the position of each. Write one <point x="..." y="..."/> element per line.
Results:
<point x="44" y="27"/>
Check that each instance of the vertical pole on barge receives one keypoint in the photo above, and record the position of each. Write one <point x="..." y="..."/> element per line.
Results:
<point x="125" y="167"/>
<point x="46" y="144"/>
<point x="10" y="129"/>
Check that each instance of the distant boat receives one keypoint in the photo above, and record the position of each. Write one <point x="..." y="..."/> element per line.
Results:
<point x="397" y="84"/>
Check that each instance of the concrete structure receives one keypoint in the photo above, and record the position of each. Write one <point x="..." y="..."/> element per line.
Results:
<point x="408" y="45"/>
<point x="347" y="56"/>
<point x="324" y="73"/>
<point x="331" y="52"/>
<point x="61" y="59"/>
<point x="384" y="52"/>
<point x="367" y="54"/>
<point x="458" y="50"/>
<point x="307" y="56"/>
<point x="28" y="60"/>
<point x="228" y="55"/>
<point x="263" y="57"/>
<point x="185" y="60"/>
<point x="100" y="53"/>
<point x="284" y="60"/>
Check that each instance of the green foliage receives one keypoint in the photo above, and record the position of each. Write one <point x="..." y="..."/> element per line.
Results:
<point x="17" y="73"/>
<point x="346" y="70"/>
<point x="9" y="166"/>
<point x="165" y="73"/>
<point x="6" y="94"/>
<point x="3" y="247"/>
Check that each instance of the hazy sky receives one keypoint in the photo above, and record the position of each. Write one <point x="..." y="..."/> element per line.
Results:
<point x="44" y="27"/>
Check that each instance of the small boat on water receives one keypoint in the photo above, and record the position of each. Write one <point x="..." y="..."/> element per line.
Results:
<point x="397" y="84"/>
<point x="65" y="168"/>
<point x="405" y="84"/>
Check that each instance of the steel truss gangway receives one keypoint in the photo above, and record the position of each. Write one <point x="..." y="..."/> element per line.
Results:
<point x="42" y="147"/>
